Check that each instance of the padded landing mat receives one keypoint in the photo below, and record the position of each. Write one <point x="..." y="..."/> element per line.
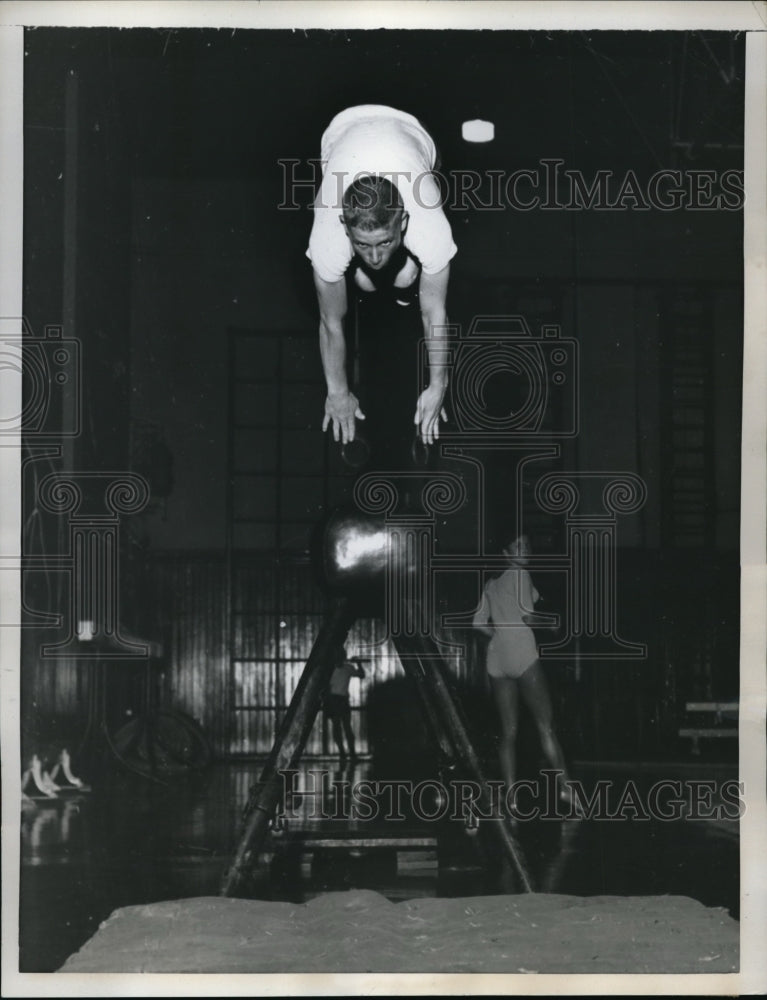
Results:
<point x="361" y="931"/>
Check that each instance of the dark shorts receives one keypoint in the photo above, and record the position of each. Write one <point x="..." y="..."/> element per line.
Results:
<point x="336" y="706"/>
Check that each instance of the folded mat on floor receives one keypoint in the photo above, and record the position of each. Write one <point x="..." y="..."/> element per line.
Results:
<point x="361" y="931"/>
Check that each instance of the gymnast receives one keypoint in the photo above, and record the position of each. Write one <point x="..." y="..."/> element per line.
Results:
<point x="378" y="217"/>
<point x="513" y="665"/>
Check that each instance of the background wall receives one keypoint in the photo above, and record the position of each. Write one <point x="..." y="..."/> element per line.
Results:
<point x="153" y="227"/>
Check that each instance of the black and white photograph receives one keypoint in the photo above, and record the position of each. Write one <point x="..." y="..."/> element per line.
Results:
<point x="383" y="413"/>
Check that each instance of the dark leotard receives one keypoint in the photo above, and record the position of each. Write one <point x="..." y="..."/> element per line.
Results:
<point x="383" y="278"/>
<point x="388" y="343"/>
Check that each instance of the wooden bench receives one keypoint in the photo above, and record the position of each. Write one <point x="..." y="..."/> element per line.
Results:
<point x="698" y="733"/>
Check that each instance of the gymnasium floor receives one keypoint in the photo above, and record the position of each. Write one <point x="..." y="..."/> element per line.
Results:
<point x="132" y="841"/>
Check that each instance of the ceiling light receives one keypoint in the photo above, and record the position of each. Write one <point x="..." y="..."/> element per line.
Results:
<point x="478" y="130"/>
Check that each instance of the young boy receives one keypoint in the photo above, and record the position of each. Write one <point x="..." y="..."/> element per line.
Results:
<point x="379" y="211"/>
<point x="337" y="706"/>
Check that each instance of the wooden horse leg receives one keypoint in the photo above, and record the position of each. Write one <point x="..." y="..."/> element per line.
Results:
<point x="425" y="651"/>
<point x="289" y="744"/>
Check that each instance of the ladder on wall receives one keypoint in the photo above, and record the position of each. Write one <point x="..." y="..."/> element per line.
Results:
<point x="688" y="411"/>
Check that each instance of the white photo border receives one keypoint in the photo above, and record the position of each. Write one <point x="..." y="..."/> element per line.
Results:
<point x="413" y="14"/>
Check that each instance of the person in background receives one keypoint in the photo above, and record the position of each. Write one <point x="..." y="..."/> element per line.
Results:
<point x="512" y="663"/>
<point x="337" y="707"/>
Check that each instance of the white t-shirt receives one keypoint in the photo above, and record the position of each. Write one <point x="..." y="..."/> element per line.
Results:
<point x="375" y="139"/>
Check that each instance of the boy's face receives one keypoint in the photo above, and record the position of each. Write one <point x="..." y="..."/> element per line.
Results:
<point x="375" y="246"/>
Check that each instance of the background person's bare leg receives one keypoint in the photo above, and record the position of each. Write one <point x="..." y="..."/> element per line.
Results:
<point x="535" y="692"/>
<point x="338" y="738"/>
<point x="346" y="720"/>
<point x="507" y="701"/>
